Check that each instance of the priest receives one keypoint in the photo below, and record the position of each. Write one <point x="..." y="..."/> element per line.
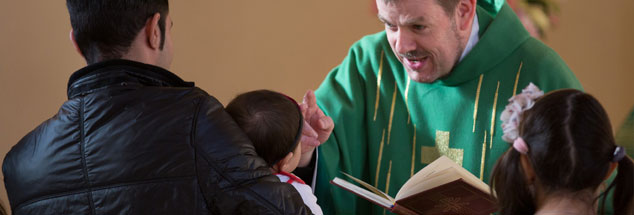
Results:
<point x="433" y="83"/>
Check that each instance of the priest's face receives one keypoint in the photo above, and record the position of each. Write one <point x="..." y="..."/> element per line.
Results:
<point x="422" y="36"/>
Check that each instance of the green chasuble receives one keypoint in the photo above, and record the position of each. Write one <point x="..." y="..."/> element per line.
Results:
<point x="491" y="6"/>
<point x="388" y="127"/>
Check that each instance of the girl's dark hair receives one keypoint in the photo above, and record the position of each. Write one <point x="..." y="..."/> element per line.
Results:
<point x="270" y="119"/>
<point x="571" y="145"/>
<point x="105" y="29"/>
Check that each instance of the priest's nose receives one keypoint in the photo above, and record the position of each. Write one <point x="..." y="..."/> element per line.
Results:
<point x="405" y="42"/>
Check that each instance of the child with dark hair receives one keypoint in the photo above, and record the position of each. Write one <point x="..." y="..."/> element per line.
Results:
<point x="274" y="123"/>
<point x="563" y="150"/>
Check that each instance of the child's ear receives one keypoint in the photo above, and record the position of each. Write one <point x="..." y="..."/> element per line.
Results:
<point x="529" y="172"/>
<point x="281" y="165"/>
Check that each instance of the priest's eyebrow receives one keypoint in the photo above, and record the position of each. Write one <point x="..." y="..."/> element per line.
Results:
<point x="414" y="21"/>
<point x="383" y="20"/>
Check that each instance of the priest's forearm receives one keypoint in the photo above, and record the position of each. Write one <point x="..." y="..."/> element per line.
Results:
<point x="307" y="172"/>
<point x="304" y="161"/>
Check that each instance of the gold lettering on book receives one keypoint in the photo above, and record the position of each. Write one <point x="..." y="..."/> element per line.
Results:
<point x="452" y="205"/>
<point x="378" y="85"/>
<point x="429" y="154"/>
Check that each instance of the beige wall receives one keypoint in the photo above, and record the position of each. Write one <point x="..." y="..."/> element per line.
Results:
<point x="229" y="47"/>
<point x="595" y="38"/>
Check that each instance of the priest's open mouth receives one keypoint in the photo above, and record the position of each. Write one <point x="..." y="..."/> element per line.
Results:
<point x="415" y="63"/>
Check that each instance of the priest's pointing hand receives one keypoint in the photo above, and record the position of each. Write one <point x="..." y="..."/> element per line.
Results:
<point x="317" y="127"/>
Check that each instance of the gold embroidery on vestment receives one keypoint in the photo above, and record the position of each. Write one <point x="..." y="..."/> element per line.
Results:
<point x="378" y="86"/>
<point x="429" y="154"/>
<point x="475" y="106"/>
<point x="378" y="163"/>
<point x="495" y="103"/>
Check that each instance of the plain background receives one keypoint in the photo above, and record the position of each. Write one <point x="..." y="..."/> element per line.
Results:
<point x="229" y="47"/>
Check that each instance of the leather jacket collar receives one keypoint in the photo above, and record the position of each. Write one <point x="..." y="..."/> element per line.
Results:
<point x="122" y="72"/>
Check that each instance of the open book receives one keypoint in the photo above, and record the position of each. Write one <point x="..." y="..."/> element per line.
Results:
<point x="442" y="187"/>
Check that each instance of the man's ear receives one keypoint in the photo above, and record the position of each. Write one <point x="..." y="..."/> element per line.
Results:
<point x="71" y="36"/>
<point x="465" y="11"/>
<point x="529" y="172"/>
<point x="153" y="32"/>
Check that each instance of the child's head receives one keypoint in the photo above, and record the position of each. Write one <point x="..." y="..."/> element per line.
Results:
<point x="564" y="146"/>
<point x="273" y="122"/>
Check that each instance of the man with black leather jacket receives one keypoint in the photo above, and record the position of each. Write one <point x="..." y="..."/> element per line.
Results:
<point x="133" y="138"/>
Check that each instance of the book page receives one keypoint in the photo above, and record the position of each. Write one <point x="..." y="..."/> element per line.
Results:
<point x="439" y="164"/>
<point x="383" y="202"/>
<point x="442" y="171"/>
<point x="370" y="187"/>
<point x="472" y="179"/>
<point x="443" y="177"/>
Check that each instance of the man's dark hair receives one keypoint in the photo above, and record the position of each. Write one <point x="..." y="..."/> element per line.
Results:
<point x="270" y="119"/>
<point x="571" y="146"/>
<point x="449" y="6"/>
<point x="105" y="29"/>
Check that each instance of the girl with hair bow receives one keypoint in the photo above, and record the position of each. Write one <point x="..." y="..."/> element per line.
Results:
<point x="562" y="151"/>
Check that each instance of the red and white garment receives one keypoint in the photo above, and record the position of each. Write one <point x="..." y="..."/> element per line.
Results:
<point x="304" y="190"/>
